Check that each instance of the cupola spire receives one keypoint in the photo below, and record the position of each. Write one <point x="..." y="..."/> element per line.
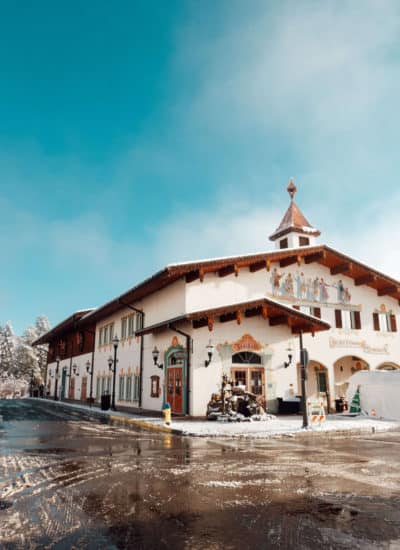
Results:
<point x="294" y="229"/>
<point x="291" y="189"/>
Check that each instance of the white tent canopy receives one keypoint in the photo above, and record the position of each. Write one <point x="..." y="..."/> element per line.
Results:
<point x="379" y="392"/>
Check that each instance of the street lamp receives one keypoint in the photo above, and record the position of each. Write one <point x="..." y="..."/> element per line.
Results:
<point x="89" y="370"/>
<point x="155" y="353"/>
<point x="112" y="365"/>
<point x="56" y="379"/>
<point x="75" y="368"/>
<point x="289" y="349"/>
<point x="210" y="351"/>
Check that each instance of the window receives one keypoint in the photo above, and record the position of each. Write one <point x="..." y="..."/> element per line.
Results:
<point x="348" y="319"/>
<point x="304" y="241"/>
<point x="309" y="310"/>
<point x="131" y="325"/>
<point x="121" y="395"/>
<point x="123" y="328"/>
<point x="246" y="357"/>
<point x="283" y="243"/>
<point x="321" y="382"/>
<point x="106" y="334"/>
<point x="385" y="322"/>
<point x="136" y="387"/>
<point x="139" y="321"/>
<point x="98" y="393"/>
<point x="128" y="388"/>
<point x="155" y="386"/>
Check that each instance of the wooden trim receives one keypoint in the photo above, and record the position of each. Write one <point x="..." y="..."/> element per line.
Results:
<point x="288" y="261"/>
<point x="278" y="320"/>
<point x="365" y="279"/>
<point x="388" y="290"/>
<point x="316" y="257"/>
<point x="375" y="318"/>
<point x="341" y="268"/>
<point x="210" y="323"/>
<point x="357" y="320"/>
<point x="393" y="323"/>
<point x="228" y="270"/>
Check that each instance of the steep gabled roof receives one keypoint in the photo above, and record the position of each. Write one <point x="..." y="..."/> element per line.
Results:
<point x="294" y="219"/>
<point x="62" y="327"/>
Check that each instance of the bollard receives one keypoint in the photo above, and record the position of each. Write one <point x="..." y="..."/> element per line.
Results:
<point x="167" y="414"/>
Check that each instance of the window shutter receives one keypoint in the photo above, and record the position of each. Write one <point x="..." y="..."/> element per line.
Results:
<point x="393" y="324"/>
<point x="338" y="318"/>
<point x="376" y="321"/>
<point x="317" y="312"/>
<point x="357" y="320"/>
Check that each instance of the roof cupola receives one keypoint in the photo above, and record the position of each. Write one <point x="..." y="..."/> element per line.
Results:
<point x="294" y="229"/>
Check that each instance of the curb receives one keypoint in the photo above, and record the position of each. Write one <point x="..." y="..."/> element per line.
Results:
<point x="112" y="420"/>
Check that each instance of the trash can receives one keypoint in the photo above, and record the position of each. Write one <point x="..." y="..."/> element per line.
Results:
<point x="339" y="405"/>
<point x="105" y="401"/>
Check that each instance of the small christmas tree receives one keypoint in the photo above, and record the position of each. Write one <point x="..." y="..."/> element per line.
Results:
<point x="355" y="404"/>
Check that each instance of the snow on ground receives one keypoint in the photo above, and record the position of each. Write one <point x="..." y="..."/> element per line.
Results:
<point x="280" y="425"/>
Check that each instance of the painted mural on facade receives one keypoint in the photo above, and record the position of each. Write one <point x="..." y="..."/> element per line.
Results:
<point x="312" y="289"/>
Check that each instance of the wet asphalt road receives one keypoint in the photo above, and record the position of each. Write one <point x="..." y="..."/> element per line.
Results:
<point x="67" y="484"/>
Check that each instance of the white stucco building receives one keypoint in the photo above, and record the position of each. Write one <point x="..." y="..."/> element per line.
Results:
<point x="251" y="309"/>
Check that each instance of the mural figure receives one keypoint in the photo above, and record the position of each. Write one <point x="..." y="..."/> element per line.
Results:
<point x="340" y="291"/>
<point x="315" y="289"/>
<point x="323" y="291"/>
<point x="311" y="289"/>
<point x="288" y="285"/>
<point x="301" y="285"/>
<point x="275" y="280"/>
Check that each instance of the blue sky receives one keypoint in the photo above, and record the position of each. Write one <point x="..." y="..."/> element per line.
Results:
<point x="136" y="134"/>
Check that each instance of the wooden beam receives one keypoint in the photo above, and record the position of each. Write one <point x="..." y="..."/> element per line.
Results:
<point x="299" y="260"/>
<point x="278" y="320"/>
<point x="391" y="289"/>
<point x="268" y="264"/>
<point x="199" y="323"/>
<point x="341" y="268"/>
<point x="365" y="279"/>
<point x="288" y="261"/>
<point x="257" y="266"/>
<point x="225" y="317"/>
<point x="201" y="275"/>
<point x="239" y="317"/>
<point x="316" y="257"/>
<point x="210" y="323"/>
<point x="264" y="311"/>
<point x="192" y="276"/>
<point x="296" y="329"/>
<point x="253" y="312"/>
<point x="227" y="270"/>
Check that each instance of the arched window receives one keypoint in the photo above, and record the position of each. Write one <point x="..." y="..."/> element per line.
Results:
<point x="246" y="358"/>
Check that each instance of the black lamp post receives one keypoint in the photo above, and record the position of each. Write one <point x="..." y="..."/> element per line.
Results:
<point x="112" y="365"/>
<point x="31" y="384"/>
<point x="304" y="366"/>
<point x="89" y="370"/>
<point x="155" y="353"/>
<point x="210" y="351"/>
<point x="56" y="378"/>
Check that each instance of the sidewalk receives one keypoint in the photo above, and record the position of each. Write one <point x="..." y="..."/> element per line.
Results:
<point x="279" y="426"/>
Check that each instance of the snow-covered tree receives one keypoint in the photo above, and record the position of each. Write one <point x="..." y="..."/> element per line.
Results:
<point x="8" y="342"/>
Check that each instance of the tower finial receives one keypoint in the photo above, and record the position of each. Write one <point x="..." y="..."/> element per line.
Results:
<point x="291" y="189"/>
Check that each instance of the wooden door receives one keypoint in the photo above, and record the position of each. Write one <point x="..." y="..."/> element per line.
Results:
<point x="72" y="388"/>
<point x="84" y="388"/>
<point x="175" y="389"/>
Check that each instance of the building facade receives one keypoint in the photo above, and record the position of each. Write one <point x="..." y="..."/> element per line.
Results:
<point x="252" y="310"/>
